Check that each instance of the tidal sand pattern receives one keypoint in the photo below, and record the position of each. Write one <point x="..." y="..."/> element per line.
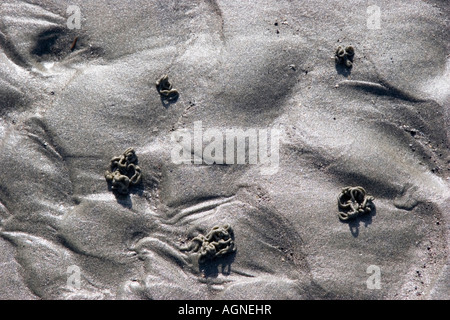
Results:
<point x="357" y="208"/>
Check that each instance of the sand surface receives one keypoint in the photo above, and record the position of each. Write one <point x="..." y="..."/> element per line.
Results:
<point x="67" y="108"/>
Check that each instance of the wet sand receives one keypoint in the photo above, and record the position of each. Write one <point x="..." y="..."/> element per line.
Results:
<point x="71" y="99"/>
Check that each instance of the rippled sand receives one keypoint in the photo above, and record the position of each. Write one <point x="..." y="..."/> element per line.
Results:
<point x="68" y="106"/>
